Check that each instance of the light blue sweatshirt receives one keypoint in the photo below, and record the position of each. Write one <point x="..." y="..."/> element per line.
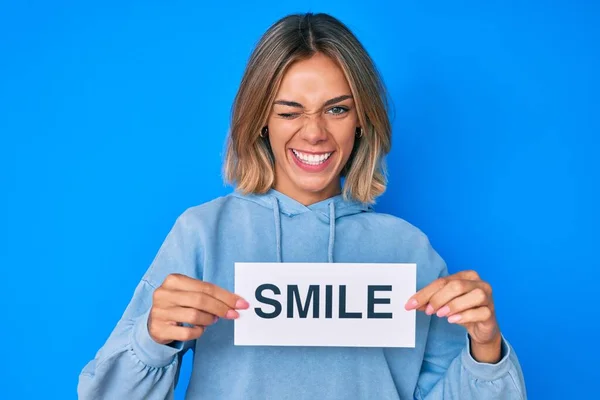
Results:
<point x="207" y="240"/>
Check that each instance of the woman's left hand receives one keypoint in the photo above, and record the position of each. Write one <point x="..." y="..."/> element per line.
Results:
<point x="466" y="300"/>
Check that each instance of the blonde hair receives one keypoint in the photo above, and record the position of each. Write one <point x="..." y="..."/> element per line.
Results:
<point x="249" y="161"/>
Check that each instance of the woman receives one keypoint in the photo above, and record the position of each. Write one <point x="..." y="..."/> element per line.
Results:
<point x="310" y="111"/>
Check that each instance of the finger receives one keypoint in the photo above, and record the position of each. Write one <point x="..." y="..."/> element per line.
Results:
<point x="199" y="301"/>
<point x="479" y="314"/>
<point x="184" y="315"/>
<point x="168" y="333"/>
<point x="450" y="291"/>
<point x="471" y="275"/>
<point x="182" y="282"/>
<point x="473" y="299"/>
<point x="468" y="275"/>
<point x="421" y="298"/>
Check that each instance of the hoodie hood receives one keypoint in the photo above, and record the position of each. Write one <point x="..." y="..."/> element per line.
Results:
<point x="328" y="211"/>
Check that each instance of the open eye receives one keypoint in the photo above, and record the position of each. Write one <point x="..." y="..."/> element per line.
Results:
<point x="337" y="110"/>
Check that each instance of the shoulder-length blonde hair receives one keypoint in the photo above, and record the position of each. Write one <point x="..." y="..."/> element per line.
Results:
<point x="249" y="160"/>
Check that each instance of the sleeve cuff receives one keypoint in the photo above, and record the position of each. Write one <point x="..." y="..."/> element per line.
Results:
<point x="485" y="371"/>
<point x="149" y="352"/>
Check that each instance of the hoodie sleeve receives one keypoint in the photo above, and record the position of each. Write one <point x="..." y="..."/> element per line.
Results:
<point x="449" y="371"/>
<point x="130" y="364"/>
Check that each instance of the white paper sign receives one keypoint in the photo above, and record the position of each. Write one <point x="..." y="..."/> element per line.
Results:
<point x="325" y="304"/>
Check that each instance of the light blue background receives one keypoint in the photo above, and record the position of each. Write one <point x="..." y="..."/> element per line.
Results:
<point x="113" y="117"/>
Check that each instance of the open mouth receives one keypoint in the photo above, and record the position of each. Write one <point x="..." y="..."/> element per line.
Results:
<point x="311" y="159"/>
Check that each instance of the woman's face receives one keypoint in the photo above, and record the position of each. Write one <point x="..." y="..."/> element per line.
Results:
<point x="312" y="129"/>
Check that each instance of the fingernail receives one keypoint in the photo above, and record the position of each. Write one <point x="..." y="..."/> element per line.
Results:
<point x="442" y="312"/>
<point x="429" y="309"/>
<point x="241" y="303"/>
<point x="232" y="314"/>
<point x="454" y="318"/>
<point x="412" y="304"/>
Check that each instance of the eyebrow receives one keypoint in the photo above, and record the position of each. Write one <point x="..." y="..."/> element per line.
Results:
<point x="327" y="103"/>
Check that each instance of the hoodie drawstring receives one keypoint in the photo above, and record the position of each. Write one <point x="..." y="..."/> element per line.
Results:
<point x="277" y="218"/>
<point x="331" y="231"/>
<point x="277" y="227"/>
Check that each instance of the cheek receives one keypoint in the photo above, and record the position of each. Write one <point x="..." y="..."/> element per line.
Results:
<point x="344" y="132"/>
<point x="344" y="137"/>
<point x="280" y="133"/>
<point x="282" y="130"/>
<point x="347" y="147"/>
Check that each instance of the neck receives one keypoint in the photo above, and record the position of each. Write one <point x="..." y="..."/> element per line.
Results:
<point x="306" y="197"/>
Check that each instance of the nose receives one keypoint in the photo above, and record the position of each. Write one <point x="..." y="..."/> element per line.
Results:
<point x="313" y="131"/>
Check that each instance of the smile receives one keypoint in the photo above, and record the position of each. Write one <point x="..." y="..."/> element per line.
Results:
<point x="311" y="159"/>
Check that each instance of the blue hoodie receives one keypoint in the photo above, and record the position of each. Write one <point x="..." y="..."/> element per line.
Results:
<point x="207" y="240"/>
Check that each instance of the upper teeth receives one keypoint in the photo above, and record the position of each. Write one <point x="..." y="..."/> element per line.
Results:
<point x="312" y="159"/>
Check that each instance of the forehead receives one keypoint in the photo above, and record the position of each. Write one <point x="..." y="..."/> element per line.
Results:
<point x="315" y="77"/>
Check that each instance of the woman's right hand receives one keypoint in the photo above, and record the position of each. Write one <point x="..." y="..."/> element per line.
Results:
<point x="181" y="299"/>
